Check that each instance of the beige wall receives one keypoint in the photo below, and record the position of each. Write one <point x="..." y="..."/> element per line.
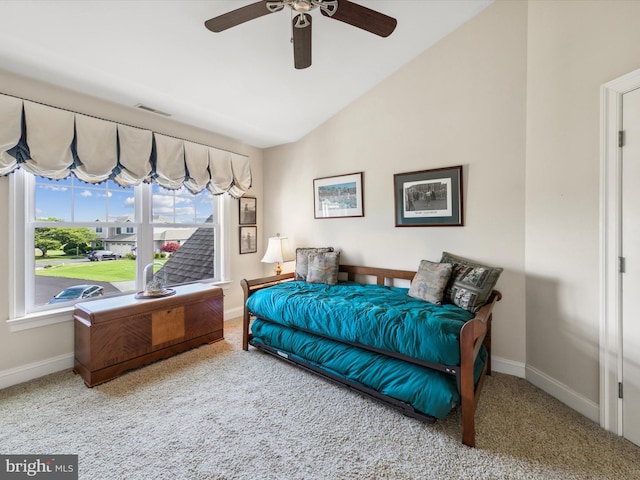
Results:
<point x="34" y="348"/>
<point x="461" y="102"/>
<point x="513" y="95"/>
<point x="574" y="47"/>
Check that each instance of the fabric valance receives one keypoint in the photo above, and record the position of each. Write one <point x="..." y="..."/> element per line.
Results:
<point x="52" y="143"/>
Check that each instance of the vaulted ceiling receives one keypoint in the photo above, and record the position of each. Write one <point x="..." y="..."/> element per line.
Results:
<point x="241" y="82"/>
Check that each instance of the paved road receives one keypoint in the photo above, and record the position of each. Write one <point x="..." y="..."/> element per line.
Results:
<point x="48" y="287"/>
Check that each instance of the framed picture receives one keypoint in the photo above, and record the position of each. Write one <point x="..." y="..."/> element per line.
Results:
<point x="340" y="196"/>
<point x="429" y="198"/>
<point x="248" y="240"/>
<point x="248" y="209"/>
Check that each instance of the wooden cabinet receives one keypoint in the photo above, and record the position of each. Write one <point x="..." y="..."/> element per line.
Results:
<point x="113" y="335"/>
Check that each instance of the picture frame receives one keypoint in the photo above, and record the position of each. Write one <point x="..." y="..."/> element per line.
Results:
<point x="248" y="239"/>
<point x="429" y="198"/>
<point x="339" y="196"/>
<point x="248" y="210"/>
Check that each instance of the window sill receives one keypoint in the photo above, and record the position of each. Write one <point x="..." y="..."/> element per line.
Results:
<point x="61" y="315"/>
<point x="40" y="319"/>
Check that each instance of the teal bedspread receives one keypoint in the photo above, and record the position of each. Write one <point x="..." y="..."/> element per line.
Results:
<point x="428" y="391"/>
<point x="373" y="315"/>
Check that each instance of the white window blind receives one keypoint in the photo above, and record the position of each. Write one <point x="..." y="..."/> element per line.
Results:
<point x="52" y="143"/>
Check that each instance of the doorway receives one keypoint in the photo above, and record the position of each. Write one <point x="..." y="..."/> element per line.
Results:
<point x="620" y="230"/>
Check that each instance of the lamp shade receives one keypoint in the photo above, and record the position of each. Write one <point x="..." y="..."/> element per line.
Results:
<point x="278" y="250"/>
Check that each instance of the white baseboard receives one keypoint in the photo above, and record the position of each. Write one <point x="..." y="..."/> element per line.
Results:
<point x="569" y="397"/>
<point x="24" y="373"/>
<point x="233" y="313"/>
<point x="509" y="367"/>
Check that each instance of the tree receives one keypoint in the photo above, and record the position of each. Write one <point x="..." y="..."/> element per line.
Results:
<point x="54" y="238"/>
<point x="45" y="244"/>
<point x="170" y="247"/>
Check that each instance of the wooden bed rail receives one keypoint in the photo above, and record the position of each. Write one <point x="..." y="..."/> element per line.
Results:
<point x="381" y="274"/>
<point x="474" y="334"/>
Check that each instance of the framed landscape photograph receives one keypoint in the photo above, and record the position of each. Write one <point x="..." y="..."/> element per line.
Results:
<point x="339" y="196"/>
<point x="248" y="209"/>
<point x="248" y="240"/>
<point x="429" y="198"/>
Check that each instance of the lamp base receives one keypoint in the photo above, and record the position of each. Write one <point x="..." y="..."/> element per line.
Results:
<point x="278" y="269"/>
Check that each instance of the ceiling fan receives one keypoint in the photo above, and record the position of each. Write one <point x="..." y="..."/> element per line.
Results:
<point x="342" y="10"/>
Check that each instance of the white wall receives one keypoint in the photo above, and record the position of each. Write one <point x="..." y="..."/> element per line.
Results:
<point x="574" y="47"/>
<point x="461" y="102"/>
<point x="29" y="353"/>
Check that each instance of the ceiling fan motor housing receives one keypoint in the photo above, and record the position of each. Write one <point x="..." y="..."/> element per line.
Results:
<point x="303" y="6"/>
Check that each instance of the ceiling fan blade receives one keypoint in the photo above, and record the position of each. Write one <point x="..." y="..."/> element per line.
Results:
<point x="238" y="16"/>
<point x="302" y="41"/>
<point x="362" y="17"/>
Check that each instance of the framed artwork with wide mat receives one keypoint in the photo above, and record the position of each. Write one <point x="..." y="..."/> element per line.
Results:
<point x="429" y="198"/>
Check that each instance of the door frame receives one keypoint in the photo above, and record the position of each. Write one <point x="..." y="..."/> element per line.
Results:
<point x="611" y="249"/>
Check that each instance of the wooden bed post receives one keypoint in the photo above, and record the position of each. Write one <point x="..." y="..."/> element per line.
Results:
<point x="250" y="286"/>
<point x="471" y="331"/>
<point x="245" y="316"/>
<point x="474" y="334"/>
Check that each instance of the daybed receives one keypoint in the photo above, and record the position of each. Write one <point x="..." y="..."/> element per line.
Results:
<point x="421" y="358"/>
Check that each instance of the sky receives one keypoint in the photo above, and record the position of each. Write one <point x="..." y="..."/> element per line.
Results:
<point x="72" y="200"/>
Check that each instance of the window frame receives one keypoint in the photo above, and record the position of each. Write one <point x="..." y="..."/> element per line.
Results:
<point x="23" y="314"/>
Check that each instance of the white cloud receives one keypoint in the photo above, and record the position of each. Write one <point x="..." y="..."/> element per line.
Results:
<point x="54" y="188"/>
<point x="185" y="211"/>
<point x="86" y="193"/>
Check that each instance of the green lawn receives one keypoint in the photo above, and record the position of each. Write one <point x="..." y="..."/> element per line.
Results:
<point x="110" y="271"/>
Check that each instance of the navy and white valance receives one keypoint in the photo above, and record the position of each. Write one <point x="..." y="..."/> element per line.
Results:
<point x="52" y="143"/>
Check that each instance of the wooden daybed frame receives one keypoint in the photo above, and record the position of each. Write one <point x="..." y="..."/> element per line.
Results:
<point x="474" y="333"/>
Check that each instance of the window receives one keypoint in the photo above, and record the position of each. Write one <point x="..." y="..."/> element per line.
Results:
<point x="75" y="259"/>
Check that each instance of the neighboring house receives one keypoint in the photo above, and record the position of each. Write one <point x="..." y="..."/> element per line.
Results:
<point x="122" y="240"/>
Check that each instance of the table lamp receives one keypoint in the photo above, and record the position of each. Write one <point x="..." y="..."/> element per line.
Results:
<point x="278" y="251"/>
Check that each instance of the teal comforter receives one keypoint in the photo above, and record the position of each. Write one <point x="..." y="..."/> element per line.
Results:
<point x="372" y="315"/>
<point x="428" y="391"/>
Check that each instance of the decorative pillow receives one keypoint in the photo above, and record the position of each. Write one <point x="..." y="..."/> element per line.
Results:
<point x="430" y="281"/>
<point x="302" y="255"/>
<point x="323" y="267"/>
<point x="471" y="283"/>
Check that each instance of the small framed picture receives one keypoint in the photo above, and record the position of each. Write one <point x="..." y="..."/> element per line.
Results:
<point x="248" y="240"/>
<point x="248" y="210"/>
<point x="429" y="198"/>
<point x="339" y="196"/>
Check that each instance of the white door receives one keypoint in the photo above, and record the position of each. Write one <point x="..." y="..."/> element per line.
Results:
<point x="631" y="276"/>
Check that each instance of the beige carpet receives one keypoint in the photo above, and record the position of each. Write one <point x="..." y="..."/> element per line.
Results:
<point x="217" y="412"/>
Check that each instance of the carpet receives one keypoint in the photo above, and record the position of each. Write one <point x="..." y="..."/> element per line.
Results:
<point x="217" y="412"/>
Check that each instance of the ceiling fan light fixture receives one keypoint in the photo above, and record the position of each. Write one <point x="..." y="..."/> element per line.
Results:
<point x="302" y="6"/>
